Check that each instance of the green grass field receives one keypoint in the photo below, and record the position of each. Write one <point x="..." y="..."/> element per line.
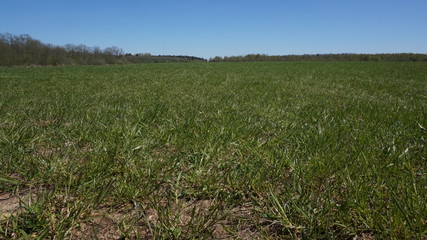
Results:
<point x="326" y="150"/>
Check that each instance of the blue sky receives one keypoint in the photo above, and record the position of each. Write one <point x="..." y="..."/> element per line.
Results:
<point x="209" y="28"/>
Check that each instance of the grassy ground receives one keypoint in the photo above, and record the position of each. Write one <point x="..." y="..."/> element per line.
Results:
<point x="214" y="150"/>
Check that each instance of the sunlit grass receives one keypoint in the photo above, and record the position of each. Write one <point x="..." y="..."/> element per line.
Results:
<point x="237" y="150"/>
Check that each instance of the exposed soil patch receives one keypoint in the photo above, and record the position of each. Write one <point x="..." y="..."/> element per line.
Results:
<point x="133" y="222"/>
<point x="101" y="227"/>
<point x="12" y="203"/>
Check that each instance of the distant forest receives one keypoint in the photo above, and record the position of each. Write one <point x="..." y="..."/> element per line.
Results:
<point x="23" y="50"/>
<point x="392" y="57"/>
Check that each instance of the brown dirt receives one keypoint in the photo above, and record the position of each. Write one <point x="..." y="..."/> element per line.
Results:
<point x="365" y="236"/>
<point x="137" y="221"/>
<point x="11" y="203"/>
<point x="127" y="223"/>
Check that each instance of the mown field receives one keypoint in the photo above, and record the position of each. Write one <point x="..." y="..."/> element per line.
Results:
<point x="326" y="150"/>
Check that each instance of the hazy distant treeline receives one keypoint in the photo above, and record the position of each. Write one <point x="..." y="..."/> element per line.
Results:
<point x="23" y="50"/>
<point x="324" y="57"/>
<point x="148" y="58"/>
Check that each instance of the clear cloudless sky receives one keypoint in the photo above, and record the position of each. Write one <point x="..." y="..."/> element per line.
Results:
<point x="209" y="28"/>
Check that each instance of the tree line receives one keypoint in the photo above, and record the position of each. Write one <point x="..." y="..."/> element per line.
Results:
<point x="406" y="57"/>
<point x="23" y="50"/>
<point x="148" y="58"/>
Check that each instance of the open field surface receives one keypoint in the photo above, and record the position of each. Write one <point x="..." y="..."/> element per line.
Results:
<point x="214" y="150"/>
